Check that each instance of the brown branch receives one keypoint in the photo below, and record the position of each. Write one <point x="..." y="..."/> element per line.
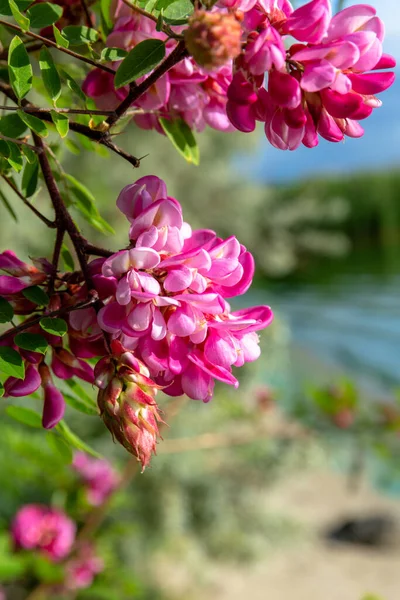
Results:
<point x="47" y="42"/>
<point x="67" y="111"/>
<point x="19" y="142"/>
<point x="55" y="260"/>
<point x="100" y="137"/>
<point x="96" y="251"/>
<point x="135" y="91"/>
<point x="55" y="313"/>
<point x="88" y="18"/>
<point x="44" y="219"/>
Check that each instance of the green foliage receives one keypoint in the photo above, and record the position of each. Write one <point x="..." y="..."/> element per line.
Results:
<point x="27" y="416"/>
<point x="44" y="14"/>
<point x="61" y="40"/>
<point x="33" y="123"/>
<point x="112" y="54"/>
<point x="12" y="126"/>
<point x="54" y="325"/>
<point x="76" y="35"/>
<point x="19" y="68"/>
<point x="36" y="295"/>
<point x="86" y="204"/>
<point x="30" y="178"/>
<point x="61" y="122"/>
<point x="21" y="19"/>
<point x="6" y="311"/>
<point x="175" y="12"/>
<point x="5" y="8"/>
<point x="31" y="341"/>
<point x="50" y="76"/>
<point x="182" y="139"/>
<point x="144" y="57"/>
<point x="11" y="363"/>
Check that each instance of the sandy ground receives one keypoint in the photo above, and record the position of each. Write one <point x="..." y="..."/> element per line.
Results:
<point x="314" y="569"/>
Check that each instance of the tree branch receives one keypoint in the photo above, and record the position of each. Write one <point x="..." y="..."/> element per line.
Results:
<point x="55" y="260"/>
<point x="88" y="18"/>
<point x="67" y="111"/>
<point x="44" y="219"/>
<point x="101" y="137"/>
<point x="47" y="42"/>
<point x="135" y="91"/>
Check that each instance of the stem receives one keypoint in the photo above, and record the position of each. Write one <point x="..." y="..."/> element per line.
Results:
<point x="67" y="111"/>
<point x="96" y="251"/>
<point x="135" y="91"/>
<point x="87" y="14"/>
<point x="19" y="142"/>
<point x="45" y="220"/>
<point x="63" y="218"/>
<point x="47" y="42"/>
<point x="55" y="260"/>
<point x="55" y="313"/>
<point x="100" y="137"/>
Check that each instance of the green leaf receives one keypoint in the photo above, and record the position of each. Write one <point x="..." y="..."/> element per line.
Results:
<point x="34" y="123"/>
<point x="34" y="342"/>
<point x="1" y="390"/>
<point x="30" y="154"/>
<point x="4" y="148"/>
<point x="105" y="11"/>
<point x="44" y="14"/>
<point x="59" y="446"/>
<point x="21" y="19"/>
<point x="181" y="136"/>
<point x="5" y="6"/>
<point x="8" y="206"/>
<point x="61" y="41"/>
<point x="112" y="54"/>
<point x="69" y="264"/>
<point x="142" y="59"/>
<point x="61" y="122"/>
<point x="55" y="326"/>
<point x="80" y="34"/>
<point x="12" y="126"/>
<point x="176" y="12"/>
<point x="74" y="441"/>
<point x="11" y="363"/>
<point x="85" y="203"/>
<point x="73" y="86"/>
<point x="51" y="78"/>
<point x="36" y="295"/>
<point x="6" y="311"/>
<point x="83" y="407"/>
<point x="30" y="178"/>
<point x="19" y="68"/>
<point x="15" y="159"/>
<point x="27" y="416"/>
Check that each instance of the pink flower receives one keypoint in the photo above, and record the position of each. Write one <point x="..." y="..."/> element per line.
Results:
<point x="264" y="50"/>
<point x="82" y="568"/>
<point x="310" y="22"/>
<point x="48" y="530"/>
<point x="98" y="475"/>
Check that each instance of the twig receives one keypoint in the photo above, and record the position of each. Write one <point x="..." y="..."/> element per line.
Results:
<point x="47" y="42"/>
<point x="15" y="141"/>
<point x="96" y="251"/>
<point x="55" y="260"/>
<point x="100" y="137"/>
<point x="45" y="220"/>
<point x="55" y="313"/>
<point x="67" y="111"/>
<point x="135" y="91"/>
<point x="88" y="18"/>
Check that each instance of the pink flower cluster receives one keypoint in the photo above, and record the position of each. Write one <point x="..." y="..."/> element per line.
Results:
<point x="167" y="296"/>
<point x="323" y="84"/>
<point x="64" y="362"/>
<point x="186" y="91"/>
<point x="50" y="531"/>
<point x="98" y="476"/>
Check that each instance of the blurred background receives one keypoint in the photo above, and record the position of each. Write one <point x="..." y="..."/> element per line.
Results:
<point x="289" y="487"/>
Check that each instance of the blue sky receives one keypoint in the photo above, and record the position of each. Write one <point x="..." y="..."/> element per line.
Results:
<point x="378" y="149"/>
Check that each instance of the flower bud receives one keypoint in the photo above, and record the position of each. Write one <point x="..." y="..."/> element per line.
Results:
<point x="213" y="38"/>
<point x="128" y="408"/>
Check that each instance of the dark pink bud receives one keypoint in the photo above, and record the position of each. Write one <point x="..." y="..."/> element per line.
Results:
<point x="54" y="407"/>
<point x="23" y="387"/>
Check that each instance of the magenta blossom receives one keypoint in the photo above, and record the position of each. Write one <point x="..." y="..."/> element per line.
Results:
<point x="50" y="531"/>
<point x="83" y="568"/>
<point x="169" y="296"/>
<point x="98" y="475"/>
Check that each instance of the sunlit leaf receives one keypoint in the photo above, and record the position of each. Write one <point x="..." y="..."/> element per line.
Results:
<point x="19" y="68"/>
<point x="61" y="41"/>
<point x="44" y="14"/>
<point x="61" y="122"/>
<point x="112" y="54"/>
<point x="11" y="363"/>
<point x="80" y="34"/>
<point x="181" y="136"/>
<point x="50" y="76"/>
<point x="34" y="123"/>
<point x="55" y="326"/>
<point x="15" y="157"/>
<point x="21" y="19"/>
<point x="142" y="59"/>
